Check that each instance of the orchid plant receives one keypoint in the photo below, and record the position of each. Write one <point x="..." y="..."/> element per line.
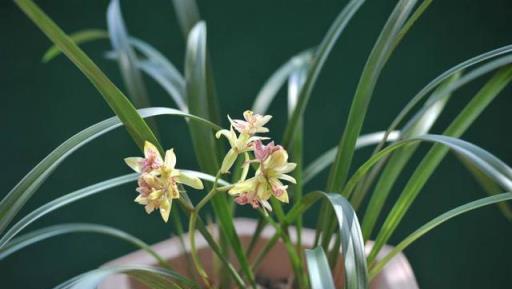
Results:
<point x="256" y="171"/>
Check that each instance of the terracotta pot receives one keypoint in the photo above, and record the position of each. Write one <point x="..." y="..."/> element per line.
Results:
<point x="398" y="273"/>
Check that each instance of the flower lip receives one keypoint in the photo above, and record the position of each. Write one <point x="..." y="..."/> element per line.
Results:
<point x="262" y="152"/>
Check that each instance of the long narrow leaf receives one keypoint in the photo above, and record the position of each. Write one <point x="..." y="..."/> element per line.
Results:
<point x="420" y="124"/>
<point x="188" y="17"/>
<point x="489" y="186"/>
<point x="57" y="230"/>
<point x="73" y="197"/>
<point x="318" y="269"/>
<point x="21" y="193"/>
<point x="63" y="201"/>
<point x="434" y="157"/>
<point x="436" y="222"/>
<point x="271" y="87"/>
<point x="364" y="91"/>
<point x="197" y="94"/>
<point x="170" y="83"/>
<point x="126" y="55"/>
<point x="352" y="245"/>
<point x="324" y="160"/>
<point x="317" y="64"/>
<point x="203" y="140"/>
<point x="146" y="274"/>
<point x="155" y="64"/>
<point x="295" y="84"/>
<point x="442" y="77"/>
<point x="117" y="101"/>
<point x="79" y="37"/>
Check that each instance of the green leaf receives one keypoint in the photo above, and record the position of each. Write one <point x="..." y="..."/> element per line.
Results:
<point x="447" y="74"/>
<point x="352" y="246"/>
<point x="79" y="37"/>
<point x="379" y="55"/>
<point x="203" y="140"/>
<point x="271" y="87"/>
<point x="364" y="91"/>
<point x="317" y="64"/>
<point x="170" y="83"/>
<point x="156" y="65"/>
<point x="73" y="197"/>
<point x="157" y="278"/>
<point x="489" y="186"/>
<point x="295" y="84"/>
<point x="187" y="13"/>
<point x="126" y="55"/>
<point x="486" y="162"/>
<point x="57" y="230"/>
<point x="135" y="125"/>
<point x="63" y="201"/>
<point x="197" y="94"/>
<point x="325" y="159"/>
<point x="436" y="222"/>
<point x="318" y="269"/>
<point x="188" y="16"/>
<point x="433" y="158"/>
<point x="23" y="191"/>
<point x="419" y="124"/>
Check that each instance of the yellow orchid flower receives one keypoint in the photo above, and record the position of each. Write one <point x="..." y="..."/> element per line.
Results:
<point x="159" y="179"/>
<point x="239" y="144"/>
<point x="253" y="123"/>
<point x="266" y="183"/>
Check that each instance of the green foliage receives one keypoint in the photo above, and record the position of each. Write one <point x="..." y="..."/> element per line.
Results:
<point x="193" y="92"/>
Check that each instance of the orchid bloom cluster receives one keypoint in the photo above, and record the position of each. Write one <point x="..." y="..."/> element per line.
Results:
<point x="158" y="180"/>
<point x="271" y="161"/>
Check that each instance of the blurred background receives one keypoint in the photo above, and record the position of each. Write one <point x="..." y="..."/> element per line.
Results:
<point x="44" y="104"/>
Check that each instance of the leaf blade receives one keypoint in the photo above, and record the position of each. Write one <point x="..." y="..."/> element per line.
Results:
<point x="318" y="269"/>
<point x="136" y="126"/>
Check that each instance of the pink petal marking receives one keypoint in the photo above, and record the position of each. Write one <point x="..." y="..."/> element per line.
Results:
<point x="262" y="152"/>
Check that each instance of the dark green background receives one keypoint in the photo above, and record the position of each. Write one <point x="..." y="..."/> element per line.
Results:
<point x="42" y="105"/>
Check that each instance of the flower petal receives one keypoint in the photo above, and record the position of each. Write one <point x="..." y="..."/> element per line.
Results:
<point x="170" y="159"/>
<point x="151" y="152"/>
<point x="155" y="195"/>
<point x="136" y="163"/>
<point x="165" y="209"/>
<point x="266" y="205"/>
<point x="228" y="161"/>
<point x="149" y="208"/>
<point x="287" y="168"/>
<point x="287" y="178"/>
<point x="189" y="180"/>
<point x="248" y="185"/>
<point x="229" y="134"/>
<point x="140" y="199"/>
<point x="283" y="197"/>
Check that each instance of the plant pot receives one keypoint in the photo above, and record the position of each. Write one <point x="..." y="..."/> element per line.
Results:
<point x="397" y="274"/>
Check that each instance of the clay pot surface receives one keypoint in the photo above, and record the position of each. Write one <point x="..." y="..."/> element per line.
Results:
<point x="397" y="274"/>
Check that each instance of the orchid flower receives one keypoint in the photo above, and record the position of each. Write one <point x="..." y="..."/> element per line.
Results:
<point x="159" y="179"/>
<point x="266" y="183"/>
<point x="243" y="142"/>
<point x="253" y="123"/>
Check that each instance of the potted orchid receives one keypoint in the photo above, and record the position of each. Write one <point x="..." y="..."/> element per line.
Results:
<point x="241" y="168"/>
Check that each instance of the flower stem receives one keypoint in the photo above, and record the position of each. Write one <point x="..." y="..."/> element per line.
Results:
<point x="194" y="213"/>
